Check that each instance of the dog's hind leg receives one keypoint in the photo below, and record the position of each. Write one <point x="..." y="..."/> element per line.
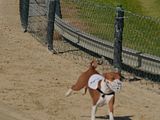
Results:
<point x="93" y="112"/>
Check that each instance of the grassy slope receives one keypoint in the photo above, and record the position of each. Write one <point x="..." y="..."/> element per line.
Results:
<point x="139" y="33"/>
<point x="151" y="7"/>
<point x="131" y="5"/>
<point x="143" y="40"/>
<point x="145" y="7"/>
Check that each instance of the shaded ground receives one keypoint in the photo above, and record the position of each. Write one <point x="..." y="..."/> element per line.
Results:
<point x="33" y="82"/>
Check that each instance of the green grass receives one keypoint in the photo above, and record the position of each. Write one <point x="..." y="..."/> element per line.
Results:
<point x="131" y="5"/>
<point x="157" y="2"/>
<point x="140" y="33"/>
<point x="151" y="7"/>
<point x="143" y="7"/>
<point x="157" y="6"/>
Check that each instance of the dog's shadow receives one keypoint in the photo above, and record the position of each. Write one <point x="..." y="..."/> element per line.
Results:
<point x="115" y="117"/>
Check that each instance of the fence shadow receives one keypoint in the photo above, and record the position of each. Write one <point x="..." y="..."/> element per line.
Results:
<point x="67" y="51"/>
<point x="141" y="73"/>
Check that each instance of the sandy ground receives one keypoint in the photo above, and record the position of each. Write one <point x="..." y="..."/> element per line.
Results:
<point x="33" y="82"/>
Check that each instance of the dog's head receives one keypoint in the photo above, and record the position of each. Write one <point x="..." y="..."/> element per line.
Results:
<point x="111" y="76"/>
<point x="112" y="79"/>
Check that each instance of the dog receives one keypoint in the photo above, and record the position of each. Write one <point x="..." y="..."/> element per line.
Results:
<point x="102" y="88"/>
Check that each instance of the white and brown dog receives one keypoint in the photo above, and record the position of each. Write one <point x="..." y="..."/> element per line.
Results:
<point x="102" y="88"/>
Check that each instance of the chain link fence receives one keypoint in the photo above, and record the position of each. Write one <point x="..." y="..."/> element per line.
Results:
<point x="92" y="26"/>
<point x="141" y="34"/>
<point x="37" y="19"/>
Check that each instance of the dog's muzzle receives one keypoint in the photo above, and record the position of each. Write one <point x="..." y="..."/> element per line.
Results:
<point x="115" y="86"/>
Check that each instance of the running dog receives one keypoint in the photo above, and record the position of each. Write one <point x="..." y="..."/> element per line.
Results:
<point x="102" y="88"/>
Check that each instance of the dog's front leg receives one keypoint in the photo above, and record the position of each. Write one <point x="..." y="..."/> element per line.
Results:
<point x="111" y="109"/>
<point x="111" y="116"/>
<point x="93" y="112"/>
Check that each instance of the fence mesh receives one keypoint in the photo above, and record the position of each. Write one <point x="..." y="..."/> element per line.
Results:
<point x="140" y="34"/>
<point x="37" y="26"/>
<point x="90" y="18"/>
<point x="37" y="21"/>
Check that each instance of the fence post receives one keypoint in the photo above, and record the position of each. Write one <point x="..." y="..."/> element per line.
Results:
<point x="24" y="12"/>
<point x="119" y="24"/>
<point x="50" y="27"/>
<point x="58" y="9"/>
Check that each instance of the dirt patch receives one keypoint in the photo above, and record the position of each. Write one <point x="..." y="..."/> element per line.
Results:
<point x="34" y="81"/>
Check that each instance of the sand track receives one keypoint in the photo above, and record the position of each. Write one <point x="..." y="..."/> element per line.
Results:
<point x="33" y="82"/>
